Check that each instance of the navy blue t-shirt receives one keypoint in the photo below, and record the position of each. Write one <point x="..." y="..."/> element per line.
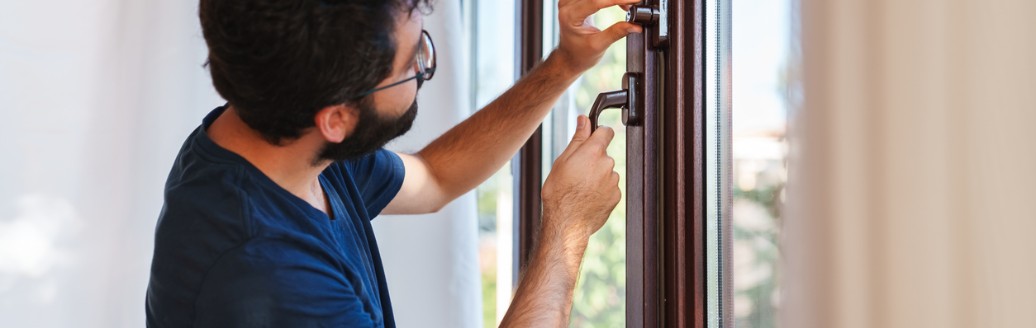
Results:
<point x="233" y="249"/>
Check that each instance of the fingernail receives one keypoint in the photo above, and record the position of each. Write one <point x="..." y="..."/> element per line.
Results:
<point x="580" y="123"/>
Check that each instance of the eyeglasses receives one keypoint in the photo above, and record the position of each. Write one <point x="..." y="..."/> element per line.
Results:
<point x="424" y="65"/>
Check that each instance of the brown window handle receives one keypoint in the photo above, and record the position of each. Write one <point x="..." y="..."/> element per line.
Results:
<point x="628" y="99"/>
<point x="614" y="99"/>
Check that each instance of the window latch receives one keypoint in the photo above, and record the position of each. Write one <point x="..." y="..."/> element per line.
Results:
<point x="655" y="20"/>
<point x="629" y="99"/>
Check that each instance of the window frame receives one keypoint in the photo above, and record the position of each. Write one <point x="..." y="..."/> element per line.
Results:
<point x="683" y="168"/>
<point x="665" y="244"/>
<point x="528" y="163"/>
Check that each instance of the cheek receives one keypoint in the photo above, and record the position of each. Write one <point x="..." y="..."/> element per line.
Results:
<point x="394" y="102"/>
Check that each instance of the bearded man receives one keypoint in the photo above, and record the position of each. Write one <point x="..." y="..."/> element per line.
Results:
<point x="268" y="207"/>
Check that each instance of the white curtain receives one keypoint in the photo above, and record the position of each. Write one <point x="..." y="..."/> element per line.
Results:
<point x="96" y="98"/>
<point x="912" y="182"/>
<point x="431" y="261"/>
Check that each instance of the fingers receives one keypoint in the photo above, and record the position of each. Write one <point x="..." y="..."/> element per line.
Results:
<point x="600" y="138"/>
<point x="582" y="129"/>
<point x="581" y="9"/>
<point x="616" y="193"/>
<point x="601" y="4"/>
<point x="581" y="135"/>
<point x="583" y="42"/>
<point x="615" y="33"/>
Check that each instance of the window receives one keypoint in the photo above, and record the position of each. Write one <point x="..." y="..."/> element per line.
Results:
<point x="695" y="241"/>
<point x="754" y="79"/>
<point x="664" y="270"/>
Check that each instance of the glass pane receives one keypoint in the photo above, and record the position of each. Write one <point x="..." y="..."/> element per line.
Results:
<point x="764" y="75"/>
<point x="493" y="73"/>
<point x="600" y="294"/>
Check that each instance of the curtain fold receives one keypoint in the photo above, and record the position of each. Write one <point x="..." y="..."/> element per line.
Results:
<point x="913" y="166"/>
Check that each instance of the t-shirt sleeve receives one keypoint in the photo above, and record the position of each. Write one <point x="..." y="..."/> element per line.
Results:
<point x="378" y="177"/>
<point x="276" y="284"/>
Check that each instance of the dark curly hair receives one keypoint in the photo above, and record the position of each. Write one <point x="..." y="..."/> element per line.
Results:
<point x="278" y="62"/>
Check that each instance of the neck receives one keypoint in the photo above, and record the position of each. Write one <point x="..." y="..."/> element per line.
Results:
<point x="290" y="165"/>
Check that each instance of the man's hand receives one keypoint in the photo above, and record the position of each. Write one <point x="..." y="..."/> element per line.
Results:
<point x="583" y="187"/>
<point x="582" y="44"/>
<point x="580" y="192"/>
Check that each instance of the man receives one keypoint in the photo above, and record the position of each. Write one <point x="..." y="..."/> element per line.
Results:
<point x="268" y="206"/>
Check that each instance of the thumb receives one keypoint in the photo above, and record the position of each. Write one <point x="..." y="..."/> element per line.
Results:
<point x="582" y="133"/>
<point x="616" y="32"/>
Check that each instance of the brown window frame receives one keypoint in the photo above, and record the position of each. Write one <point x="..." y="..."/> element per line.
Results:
<point x="528" y="165"/>
<point x="665" y="250"/>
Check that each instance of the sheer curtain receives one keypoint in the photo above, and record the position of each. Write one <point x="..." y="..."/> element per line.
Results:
<point x="431" y="261"/>
<point x="911" y="188"/>
<point x="96" y="98"/>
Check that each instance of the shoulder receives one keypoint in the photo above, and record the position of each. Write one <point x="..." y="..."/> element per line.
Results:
<point x="204" y="216"/>
<point x="210" y="199"/>
<point x="374" y="179"/>
<point x="380" y="161"/>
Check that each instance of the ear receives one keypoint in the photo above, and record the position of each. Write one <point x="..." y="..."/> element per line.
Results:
<point x="335" y="123"/>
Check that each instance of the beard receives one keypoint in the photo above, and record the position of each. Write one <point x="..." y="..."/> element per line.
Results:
<point x="372" y="133"/>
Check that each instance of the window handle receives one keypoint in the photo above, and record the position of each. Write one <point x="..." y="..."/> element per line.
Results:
<point x="614" y="99"/>
<point x="629" y="99"/>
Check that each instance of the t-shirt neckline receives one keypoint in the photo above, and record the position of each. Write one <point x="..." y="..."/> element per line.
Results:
<point x="219" y="153"/>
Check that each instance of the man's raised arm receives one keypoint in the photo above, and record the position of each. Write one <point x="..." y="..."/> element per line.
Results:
<point x="472" y="151"/>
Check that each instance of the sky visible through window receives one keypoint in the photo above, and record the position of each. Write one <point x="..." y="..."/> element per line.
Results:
<point x="763" y="78"/>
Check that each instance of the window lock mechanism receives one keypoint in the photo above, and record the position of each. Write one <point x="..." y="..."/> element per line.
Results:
<point x="655" y="20"/>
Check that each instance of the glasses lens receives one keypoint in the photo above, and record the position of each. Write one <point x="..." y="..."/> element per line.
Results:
<point x="426" y="56"/>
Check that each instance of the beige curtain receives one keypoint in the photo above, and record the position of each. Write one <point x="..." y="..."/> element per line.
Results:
<point x="913" y="183"/>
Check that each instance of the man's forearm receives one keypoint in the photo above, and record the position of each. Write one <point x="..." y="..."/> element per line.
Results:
<point x="544" y="295"/>
<point x="471" y="152"/>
